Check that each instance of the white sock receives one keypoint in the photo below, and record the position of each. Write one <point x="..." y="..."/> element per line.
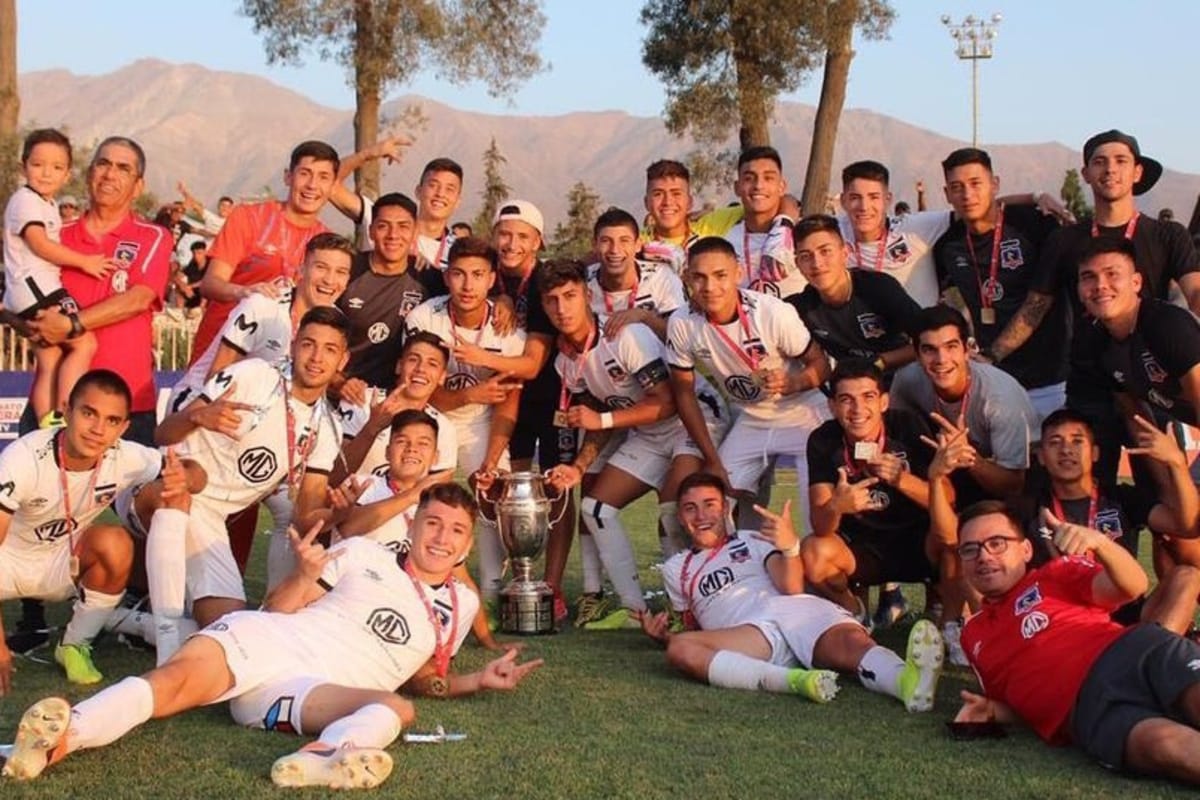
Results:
<point x="92" y="609"/>
<point x="166" y="561"/>
<point x="672" y="539"/>
<point x="491" y="560"/>
<point x="141" y="623"/>
<point x="374" y="725"/>
<point x="616" y="553"/>
<point x="280" y="558"/>
<point x="105" y="717"/>
<point x="732" y="670"/>
<point x="589" y="560"/>
<point x="880" y="671"/>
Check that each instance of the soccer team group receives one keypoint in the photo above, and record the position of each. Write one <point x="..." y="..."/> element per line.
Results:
<point x="956" y="389"/>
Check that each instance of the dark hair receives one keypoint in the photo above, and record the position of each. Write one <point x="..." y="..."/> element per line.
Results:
<point x="470" y="230"/>
<point x="666" y="168"/>
<point x="1068" y="416"/>
<point x="123" y="141"/>
<point x="558" y="272"/>
<point x="442" y="165"/>
<point x="330" y="241"/>
<point x="816" y="223"/>
<point x="199" y="244"/>
<point x="867" y="171"/>
<point x="711" y="244"/>
<point x="985" y="507"/>
<point x="758" y="153"/>
<point x="849" y="369"/>
<point x="967" y="155"/>
<point x="45" y="136"/>
<point x="472" y="247"/>
<point x="903" y="208"/>
<point x="317" y="151"/>
<point x="425" y="337"/>
<point x="451" y="494"/>
<point x="412" y="416"/>
<point x="1102" y="245"/>
<point x="330" y="316"/>
<point x="935" y="318"/>
<point x="224" y="198"/>
<point x="397" y="199"/>
<point x="698" y="479"/>
<point x="615" y="217"/>
<point x="106" y="381"/>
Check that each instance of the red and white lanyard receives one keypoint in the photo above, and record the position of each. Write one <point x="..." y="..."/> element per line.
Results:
<point x="851" y="470"/>
<point x="630" y="302"/>
<point x="71" y="521"/>
<point x="750" y="359"/>
<point x="1093" y="507"/>
<point x="442" y="645"/>
<point x="1130" y="227"/>
<point x="454" y="325"/>
<point x="985" y="297"/>
<point x="879" y="252"/>
<point x="688" y="589"/>
<point x="577" y="365"/>
<point x="962" y="403"/>
<point x="295" y="473"/>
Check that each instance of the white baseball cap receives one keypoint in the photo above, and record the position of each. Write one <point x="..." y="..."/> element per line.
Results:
<point x="521" y="210"/>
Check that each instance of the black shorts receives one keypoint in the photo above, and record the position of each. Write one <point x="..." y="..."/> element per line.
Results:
<point x="59" y="298"/>
<point x="535" y="432"/>
<point x="1140" y="676"/>
<point x="880" y="558"/>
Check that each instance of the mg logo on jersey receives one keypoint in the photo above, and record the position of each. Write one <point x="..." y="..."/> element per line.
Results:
<point x="1033" y="624"/>
<point x="390" y="625"/>
<point x="1154" y="370"/>
<point x="764" y="287"/>
<point x="257" y="464"/>
<point x="378" y="332"/>
<point x="279" y="716"/>
<point x="743" y="387"/>
<point x="460" y="380"/>
<point x="715" y="581"/>
<point x="49" y="531"/>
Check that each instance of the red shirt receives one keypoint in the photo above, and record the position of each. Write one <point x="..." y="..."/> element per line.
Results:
<point x="126" y="347"/>
<point x="262" y="244"/>
<point x="1033" y="647"/>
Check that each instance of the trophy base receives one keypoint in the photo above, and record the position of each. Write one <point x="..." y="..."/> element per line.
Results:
<point x="527" y="609"/>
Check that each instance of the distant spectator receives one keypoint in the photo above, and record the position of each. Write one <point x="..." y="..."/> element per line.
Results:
<point x="203" y="220"/>
<point x="903" y="209"/>
<point x="188" y="277"/>
<point x="1166" y="215"/>
<point x="461" y="230"/>
<point x="68" y="208"/>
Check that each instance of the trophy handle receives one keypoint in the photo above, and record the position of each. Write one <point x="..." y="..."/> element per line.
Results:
<point x="484" y="502"/>
<point x="563" y="495"/>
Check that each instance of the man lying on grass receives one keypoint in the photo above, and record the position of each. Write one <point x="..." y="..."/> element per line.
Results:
<point x="1047" y="651"/>
<point x="337" y="638"/>
<point x="750" y="626"/>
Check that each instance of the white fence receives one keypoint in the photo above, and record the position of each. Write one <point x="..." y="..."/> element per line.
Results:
<point x="174" y="332"/>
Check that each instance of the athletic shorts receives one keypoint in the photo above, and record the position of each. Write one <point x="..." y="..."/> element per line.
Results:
<point x="473" y="444"/>
<point x="32" y="298"/>
<point x="883" y="557"/>
<point x="794" y="623"/>
<point x="648" y="457"/>
<point x="535" y="433"/>
<point x="1140" y="676"/>
<point x="44" y="573"/>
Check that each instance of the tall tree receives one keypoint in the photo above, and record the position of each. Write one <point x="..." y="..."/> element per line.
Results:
<point x="1073" y="196"/>
<point x="574" y="237"/>
<point x="495" y="189"/>
<point x="10" y="102"/>
<point x="835" y="27"/>
<point x="384" y="43"/>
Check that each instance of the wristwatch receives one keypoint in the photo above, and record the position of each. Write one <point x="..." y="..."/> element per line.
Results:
<point x="77" y="328"/>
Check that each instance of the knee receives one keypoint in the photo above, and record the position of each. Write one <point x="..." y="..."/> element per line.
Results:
<point x="112" y="545"/>
<point x="402" y="708"/>
<point x="680" y="652"/>
<point x="816" y="553"/>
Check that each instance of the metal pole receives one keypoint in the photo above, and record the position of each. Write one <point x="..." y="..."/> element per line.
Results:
<point x="974" y="102"/>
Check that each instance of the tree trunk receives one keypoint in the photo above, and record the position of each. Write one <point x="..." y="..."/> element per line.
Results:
<point x="366" y="97"/>
<point x="753" y="107"/>
<point x="838" y="55"/>
<point x="10" y="100"/>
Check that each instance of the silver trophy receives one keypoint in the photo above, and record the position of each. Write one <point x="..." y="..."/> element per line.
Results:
<point x="522" y="513"/>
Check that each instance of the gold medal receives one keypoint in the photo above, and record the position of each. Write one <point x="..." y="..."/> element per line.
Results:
<point x="74" y="567"/>
<point x="560" y="419"/>
<point x="987" y="315"/>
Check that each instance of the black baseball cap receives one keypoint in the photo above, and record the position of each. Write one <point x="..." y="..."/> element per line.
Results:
<point x="1151" y="169"/>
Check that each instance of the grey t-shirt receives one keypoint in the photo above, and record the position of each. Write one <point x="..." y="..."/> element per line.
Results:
<point x="999" y="417"/>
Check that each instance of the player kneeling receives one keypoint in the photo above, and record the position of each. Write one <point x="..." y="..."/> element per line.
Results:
<point x="743" y="591"/>
<point x="338" y="637"/>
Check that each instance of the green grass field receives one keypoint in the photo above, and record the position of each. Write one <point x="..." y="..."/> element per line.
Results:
<point x="604" y="718"/>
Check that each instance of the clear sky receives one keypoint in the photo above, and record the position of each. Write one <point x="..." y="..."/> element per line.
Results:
<point x="1063" y="69"/>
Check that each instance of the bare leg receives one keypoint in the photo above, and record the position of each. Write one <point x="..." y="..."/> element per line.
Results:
<point x="828" y="565"/>
<point x="207" y="610"/>
<point x="1162" y="747"/>
<point x="1172" y="604"/>
<point x="41" y="395"/>
<point x="692" y="653"/>
<point x="77" y="358"/>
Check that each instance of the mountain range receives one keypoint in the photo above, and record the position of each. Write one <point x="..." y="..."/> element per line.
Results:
<point x="230" y="133"/>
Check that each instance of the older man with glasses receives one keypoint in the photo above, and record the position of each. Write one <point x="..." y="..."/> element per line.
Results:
<point x="1047" y="652"/>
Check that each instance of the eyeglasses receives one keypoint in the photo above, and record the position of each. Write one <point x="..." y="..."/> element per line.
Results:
<point x="993" y="544"/>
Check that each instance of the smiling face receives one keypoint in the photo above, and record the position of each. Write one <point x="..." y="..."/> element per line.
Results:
<point x="517" y="244"/>
<point x="438" y="194"/>
<point x="669" y="201"/>
<point x="94" y="422"/>
<point x="325" y="276"/>
<point x="1068" y="452"/>
<point x="1112" y="172"/>
<point x="993" y="574"/>
<point x="309" y="184"/>
<point x="421" y="369"/>
<point x="1109" y="286"/>
<point x="392" y="230"/>
<point x="616" y="245"/>
<point x="712" y="280"/>
<point x="703" y="513"/>
<point x="319" y="352"/>
<point x="858" y="405"/>
<point x="971" y="190"/>
<point x="440" y="537"/>
<point x="113" y="178"/>
<point x="866" y="202"/>
<point x="821" y="258"/>
<point x="47" y="169"/>
<point x="760" y="186"/>
<point x="411" y="451"/>
<point x="943" y="355"/>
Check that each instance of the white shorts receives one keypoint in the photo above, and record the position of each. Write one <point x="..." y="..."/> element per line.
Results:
<point x="264" y="695"/>
<point x="792" y="625"/>
<point x="1046" y="399"/>
<point x="41" y="573"/>
<point x="648" y="457"/>
<point x="473" y="444"/>
<point x="281" y="508"/>
<point x="752" y="443"/>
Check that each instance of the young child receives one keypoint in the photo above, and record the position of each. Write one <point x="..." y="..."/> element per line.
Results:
<point x="32" y="255"/>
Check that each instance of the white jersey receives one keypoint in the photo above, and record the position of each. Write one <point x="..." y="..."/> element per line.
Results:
<point x="657" y="289"/>
<point x="258" y="327"/>
<point x="31" y="487"/>
<point x="618" y="372"/>
<point x="768" y="260"/>
<point x="245" y="468"/>
<point x="773" y="332"/>
<point x="725" y="587"/>
<point x="907" y="252"/>
<point x="392" y="534"/>
<point x="354" y="417"/>
<point x="374" y="613"/>
<point x="435" y="251"/>
<point x="21" y="266"/>
<point x="434" y="316"/>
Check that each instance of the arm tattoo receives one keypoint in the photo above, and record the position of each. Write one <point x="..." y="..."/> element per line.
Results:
<point x="593" y="443"/>
<point x="1027" y="319"/>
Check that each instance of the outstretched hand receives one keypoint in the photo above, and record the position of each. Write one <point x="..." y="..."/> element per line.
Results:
<point x="777" y="529"/>
<point x="504" y="673"/>
<point x="311" y="555"/>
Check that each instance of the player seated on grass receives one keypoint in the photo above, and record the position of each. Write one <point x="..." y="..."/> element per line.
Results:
<point x="750" y="626"/>
<point x="336" y="639"/>
<point x="54" y="484"/>
<point x="1047" y="651"/>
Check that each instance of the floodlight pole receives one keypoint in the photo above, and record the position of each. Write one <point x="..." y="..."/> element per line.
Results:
<point x="973" y="41"/>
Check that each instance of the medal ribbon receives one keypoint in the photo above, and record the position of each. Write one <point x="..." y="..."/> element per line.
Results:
<point x="689" y="589"/>
<point x="848" y="453"/>
<point x="442" y="645"/>
<point x="1093" y="507"/>
<point x="879" y="253"/>
<point x="1130" y="227"/>
<point x="985" y="298"/>
<point x="577" y="364"/>
<point x="295" y="474"/>
<point x="454" y="325"/>
<point x="750" y="359"/>
<point x="630" y="301"/>
<point x="66" y="491"/>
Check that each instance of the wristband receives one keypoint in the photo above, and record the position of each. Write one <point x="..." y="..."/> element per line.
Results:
<point x="606" y="420"/>
<point x="77" y="328"/>
<point x="792" y="551"/>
